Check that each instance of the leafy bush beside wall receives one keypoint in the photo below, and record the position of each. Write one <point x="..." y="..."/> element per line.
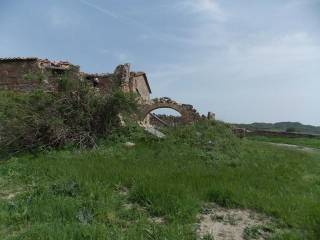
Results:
<point x="73" y="116"/>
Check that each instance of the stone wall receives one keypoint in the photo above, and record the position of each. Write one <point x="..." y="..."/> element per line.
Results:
<point x="188" y="113"/>
<point x="103" y="82"/>
<point x="25" y="74"/>
<point x="123" y="79"/>
<point x="169" y="120"/>
<point x="14" y="74"/>
<point x="139" y="84"/>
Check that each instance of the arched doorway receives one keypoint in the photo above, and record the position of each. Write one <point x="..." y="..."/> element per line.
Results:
<point x="187" y="112"/>
<point x="164" y="117"/>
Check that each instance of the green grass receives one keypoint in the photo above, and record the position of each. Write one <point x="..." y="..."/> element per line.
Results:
<point x="304" y="142"/>
<point x="85" y="194"/>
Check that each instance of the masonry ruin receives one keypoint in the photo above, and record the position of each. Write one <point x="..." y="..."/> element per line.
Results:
<point x="25" y="74"/>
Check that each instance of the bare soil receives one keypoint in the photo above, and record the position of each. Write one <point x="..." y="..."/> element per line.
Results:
<point x="232" y="224"/>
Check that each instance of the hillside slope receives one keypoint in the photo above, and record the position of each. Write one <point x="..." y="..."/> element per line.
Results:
<point x="156" y="189"/>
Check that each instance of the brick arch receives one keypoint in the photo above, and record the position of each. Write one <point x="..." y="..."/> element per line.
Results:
<point x="188" y="113"/>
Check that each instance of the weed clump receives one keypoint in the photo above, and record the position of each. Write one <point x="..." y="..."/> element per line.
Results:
<point x="213" y="140"/>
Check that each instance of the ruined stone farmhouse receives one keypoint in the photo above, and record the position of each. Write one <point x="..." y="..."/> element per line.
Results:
<point x="25" y="74"/>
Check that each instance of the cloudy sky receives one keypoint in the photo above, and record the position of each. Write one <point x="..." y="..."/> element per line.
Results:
<point x="245" y="60"/>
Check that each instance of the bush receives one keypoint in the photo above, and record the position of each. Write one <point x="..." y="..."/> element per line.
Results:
<point x="214" y="138"/>
<point x="73" y="116"/>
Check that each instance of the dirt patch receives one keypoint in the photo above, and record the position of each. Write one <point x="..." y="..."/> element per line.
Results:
<point x="8" y="191"/>
<point x="8" y="194"/>
<point x="232" y="224"/>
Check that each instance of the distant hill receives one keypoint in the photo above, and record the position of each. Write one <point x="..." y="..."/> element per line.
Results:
<point x="283" y="127"/>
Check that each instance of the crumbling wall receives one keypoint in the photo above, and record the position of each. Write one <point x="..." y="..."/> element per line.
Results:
<point x="169" y="120"/>
<point x="138" y="84"/>
<point x="103" y="82"/>
<point x="122" y="79"/>
<point x="188" y="113"/>
<point x="26" y="74"/>
<point x="14" y="74"/>
<point x="122" y="76"/>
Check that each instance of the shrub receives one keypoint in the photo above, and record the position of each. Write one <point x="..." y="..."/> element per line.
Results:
<point x="73" y="116"/>
<point x="214" y="138"/>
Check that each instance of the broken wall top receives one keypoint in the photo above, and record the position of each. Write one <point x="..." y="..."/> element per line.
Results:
<point x="43" y="63"/>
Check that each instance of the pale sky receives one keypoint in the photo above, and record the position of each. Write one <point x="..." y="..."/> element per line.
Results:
<point x="245" y="60"/>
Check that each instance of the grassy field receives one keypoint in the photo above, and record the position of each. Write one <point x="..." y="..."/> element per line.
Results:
<point x="305" y="142"/>
<point x="156" y="189"/>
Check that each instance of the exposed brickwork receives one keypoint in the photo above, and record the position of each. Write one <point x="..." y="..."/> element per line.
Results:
<point x="13" y="73"/>
<point x="25" y="74"/>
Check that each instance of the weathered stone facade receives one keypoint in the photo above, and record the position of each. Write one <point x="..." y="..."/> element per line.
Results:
<point x="25" y="74"/>
<point x="140" y="84"/>
<point x="124" y="79"/>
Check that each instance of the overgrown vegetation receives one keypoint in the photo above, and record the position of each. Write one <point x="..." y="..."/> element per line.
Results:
<point x="153" y="190"/>
<point x="156" y="189"/>
<point x="75" y="115"/>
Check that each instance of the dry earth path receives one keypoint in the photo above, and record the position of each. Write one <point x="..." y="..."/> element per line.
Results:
<point x="296" y="147"/>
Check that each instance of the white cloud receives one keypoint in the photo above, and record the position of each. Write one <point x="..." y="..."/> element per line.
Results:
<point x="277" y="73"/>
<point x="211" y="8"/>
<point x="291" y="48"/>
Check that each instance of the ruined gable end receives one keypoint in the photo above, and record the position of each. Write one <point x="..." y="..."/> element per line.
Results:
<point x="139" y="83"/>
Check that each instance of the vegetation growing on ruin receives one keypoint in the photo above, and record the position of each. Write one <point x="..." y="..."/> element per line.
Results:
<point x="155" y="189"/>
<point x="150" y="189"/>
<point x="76" y="115"/>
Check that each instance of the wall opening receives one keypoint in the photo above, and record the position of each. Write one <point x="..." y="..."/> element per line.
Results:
<point x="164" y="117"/>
